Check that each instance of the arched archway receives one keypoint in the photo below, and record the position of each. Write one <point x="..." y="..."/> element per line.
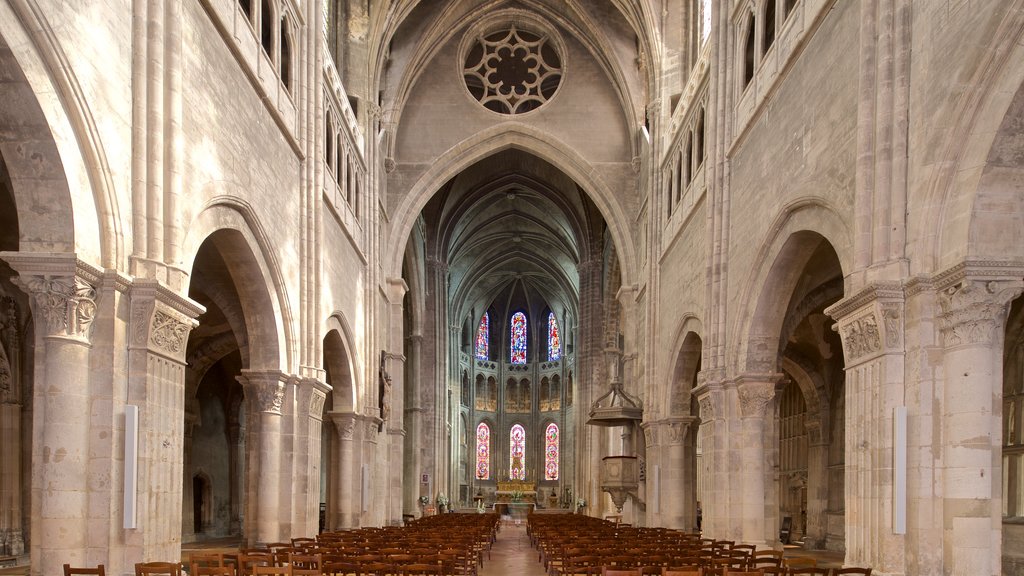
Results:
<point x="337" y="448"/>
<point x="232" y="358"/>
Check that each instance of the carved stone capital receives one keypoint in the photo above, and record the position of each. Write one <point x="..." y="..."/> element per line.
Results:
<point x="709" y="395"/>
<point x="161" y="319"/>
<point x="389" y="165"/>
<point x="312" y="396"/>
<point x="62" y="290"/>
<point x="265" y="390"/>
<point x="870" y="322"/>
<point x="755" y="391"/>
<point x="974" y="310"/>
<point x="669" y="431"/>
<point x="344" y="424"/>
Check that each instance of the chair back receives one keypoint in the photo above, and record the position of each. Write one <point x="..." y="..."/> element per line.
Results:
<point x="99" y="570"/>
<point x="200" y="570"/>
<point x="158" y="568"/>
<point x="682" y="571"/>
<point x="852" y="570"/>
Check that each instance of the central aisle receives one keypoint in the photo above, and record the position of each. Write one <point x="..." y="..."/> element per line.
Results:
<point x="512" y="554"/>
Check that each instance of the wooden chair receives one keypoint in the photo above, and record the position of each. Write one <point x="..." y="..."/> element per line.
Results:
<point x="199" y="570"/>
<point x="419" y="569"/>
<point x="682" y="571"/>
<point x="851" y="570"/>
<point x="340" y="569"/>
<point x="730" y="572"/>
<point x="247" y="561"/>
<point x="158" y="568"/>
<point x="813" y="570"/>
<point x="99" y="570"/>
<point x="799" y="562"/>
<point x="275" y="570"/>
<point x="609" y="571"/>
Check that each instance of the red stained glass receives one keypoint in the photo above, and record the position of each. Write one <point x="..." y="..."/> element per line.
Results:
<point x="483" y="452"/>
<point x="554" y="342"/>
<point x="518" y="341"/>
<point x="517" y="453"/>
<point x="483" y="337"/>
<point x="551" y="452"/>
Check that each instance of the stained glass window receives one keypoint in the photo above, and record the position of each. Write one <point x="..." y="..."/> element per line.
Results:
<point x="551" y="452"/>
<point x="517" y="453"/>
<point x="483" y="337"/>
<point x="518" y="348"/>
<point x="483" y="452"/>
<point x="554" y="343"/>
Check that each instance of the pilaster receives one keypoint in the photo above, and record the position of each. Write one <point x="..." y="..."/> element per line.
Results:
<point x="754" y="391"/>
<point x="871" y="326"/>
<point x="345" y="512"/>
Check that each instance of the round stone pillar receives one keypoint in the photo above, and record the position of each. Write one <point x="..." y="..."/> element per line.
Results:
<point x="974" y="311"/>
<point x="345" y="513"/>
<point x="264" y="393"/>
<point x="63" y="300"/>
<point x="755" y="391"/>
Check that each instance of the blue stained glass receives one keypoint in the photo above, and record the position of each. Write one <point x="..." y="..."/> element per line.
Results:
<point x="554" y="342"/>
<point x="483" y="336"/>
<point x="518" y="341"/>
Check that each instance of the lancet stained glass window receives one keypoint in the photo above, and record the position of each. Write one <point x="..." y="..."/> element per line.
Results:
<point x="483" y="338"/>
<point x="518" y="340"/>
<point x="554" y="342"/>
<point x="517" y="453"/>
<point x="483" y="452"/>
<point x="551" y="452"/>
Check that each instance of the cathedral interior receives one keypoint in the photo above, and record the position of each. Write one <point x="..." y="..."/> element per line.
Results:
<point x="753" y="268"/>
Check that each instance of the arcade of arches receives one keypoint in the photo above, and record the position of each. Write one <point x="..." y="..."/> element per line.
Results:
<point x="274" y="267"/>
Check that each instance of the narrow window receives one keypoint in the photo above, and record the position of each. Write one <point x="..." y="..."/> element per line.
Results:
<point x="246" y="6"/>
<point x="787" y="8"/>
<point x="517" y="352"/>
<point x="688" y="169"/>
<point x="517" y="453"/>
<point x="483" y="452"/>
<point x="329" y="140"/>
<point x="748" y="52"/>
<point x="769" y="25"/>
<point x="483" y="338"/>
<point x="700" y="138"/>
<point x="286" y="55"/>
<point x="554" y="342"/>
<point x="551" y="452"/>
<point x="267" y="27"/>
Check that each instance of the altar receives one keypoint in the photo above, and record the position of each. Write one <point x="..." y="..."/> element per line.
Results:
<point x="515" y="491"/>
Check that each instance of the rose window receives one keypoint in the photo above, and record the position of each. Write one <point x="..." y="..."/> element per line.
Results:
<point x="512" y="71"/>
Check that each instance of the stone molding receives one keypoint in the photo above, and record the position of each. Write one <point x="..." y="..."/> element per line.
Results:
<point x="755" y="391"/>
<point x="62" y="290"/>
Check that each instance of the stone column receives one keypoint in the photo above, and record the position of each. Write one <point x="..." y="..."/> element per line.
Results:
<point x="870" y="323"/>
<point x="655" y="491"/>
<point x="817" y="484"/>
<point x="312" y="393"/>
<point x="12" y="540"/>
<point x="975" y="305"/>
<point x="236" y="485"/>
<point x="677" y="498"/>
<point x="62" y="293"/>
<point x="721" y="518"/>
<point x="264" y="394"/>
<point x="345" y="513"/>
<point x="755" y="392"/>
